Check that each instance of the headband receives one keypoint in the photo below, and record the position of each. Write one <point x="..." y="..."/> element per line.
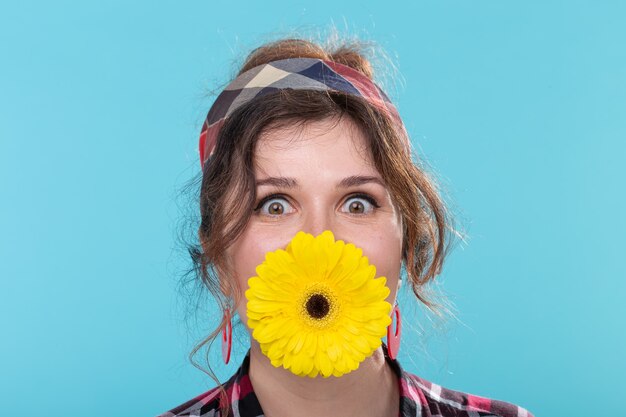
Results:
<point x="291" y="73"/>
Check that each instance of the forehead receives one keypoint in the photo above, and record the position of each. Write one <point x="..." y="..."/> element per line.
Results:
<point x="330" y="144"/>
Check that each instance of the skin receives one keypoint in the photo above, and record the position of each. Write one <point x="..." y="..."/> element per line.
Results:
<point x="316" y="160"/>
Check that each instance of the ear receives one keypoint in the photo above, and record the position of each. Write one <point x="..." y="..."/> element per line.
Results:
<point x="221" y="275"/>
<point x="223" y="281"/>
<point x="226" y="278"/>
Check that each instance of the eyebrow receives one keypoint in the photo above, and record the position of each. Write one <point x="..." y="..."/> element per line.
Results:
<point x="352" y="181"/>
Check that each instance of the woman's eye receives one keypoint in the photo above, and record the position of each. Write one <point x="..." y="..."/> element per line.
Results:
<point x="275" y="206"/>
<point x="360" y="205"/>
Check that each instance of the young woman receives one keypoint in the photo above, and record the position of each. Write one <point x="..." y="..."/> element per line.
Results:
<point x="303" y="142"/>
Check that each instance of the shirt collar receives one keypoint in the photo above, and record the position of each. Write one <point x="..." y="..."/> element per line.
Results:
<point x="245" y="403"/>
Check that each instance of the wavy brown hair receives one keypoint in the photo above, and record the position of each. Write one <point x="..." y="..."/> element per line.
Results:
<point x="228" y="192"/>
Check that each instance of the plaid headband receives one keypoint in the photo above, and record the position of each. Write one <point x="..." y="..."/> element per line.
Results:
<point x="293" y="73"/>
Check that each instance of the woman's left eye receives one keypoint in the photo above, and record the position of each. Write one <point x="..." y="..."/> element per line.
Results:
<point x="360" y="204"/>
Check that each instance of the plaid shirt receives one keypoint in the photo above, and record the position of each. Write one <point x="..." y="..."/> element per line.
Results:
<point x="418" y="398"/>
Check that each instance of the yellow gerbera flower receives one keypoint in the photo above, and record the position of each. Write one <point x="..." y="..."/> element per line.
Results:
<point x="316" y="307"/>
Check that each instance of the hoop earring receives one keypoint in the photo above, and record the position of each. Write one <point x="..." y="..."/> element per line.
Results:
<point x="393" y="338"/>
<point x="227" y="337"/>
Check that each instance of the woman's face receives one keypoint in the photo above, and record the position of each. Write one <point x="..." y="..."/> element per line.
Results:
<point x="315" y="179"/>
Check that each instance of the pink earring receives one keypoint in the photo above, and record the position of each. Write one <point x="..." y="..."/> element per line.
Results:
<point x="227" y="337"/>
<point x="393" y="338"/>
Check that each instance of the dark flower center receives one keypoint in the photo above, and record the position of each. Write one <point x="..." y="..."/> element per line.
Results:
<point x="317" y="306"/>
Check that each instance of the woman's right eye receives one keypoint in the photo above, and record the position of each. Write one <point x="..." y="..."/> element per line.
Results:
<point x="274" y="206"/>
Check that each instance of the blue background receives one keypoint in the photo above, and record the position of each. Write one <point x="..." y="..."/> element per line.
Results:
<point x="518" y="107"/>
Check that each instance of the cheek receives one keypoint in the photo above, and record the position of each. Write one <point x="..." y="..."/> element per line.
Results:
<point x="387" y="258"/>
<point x="385" y="253"/>
<point x="248" y="252"/>
<point x="245" y="255"/>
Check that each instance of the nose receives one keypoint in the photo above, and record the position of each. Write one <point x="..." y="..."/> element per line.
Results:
<point x="317" y="219"/>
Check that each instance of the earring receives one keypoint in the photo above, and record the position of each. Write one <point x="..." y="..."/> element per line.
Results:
<point x="227" y="337"/>
<point x="393" y="338"/>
